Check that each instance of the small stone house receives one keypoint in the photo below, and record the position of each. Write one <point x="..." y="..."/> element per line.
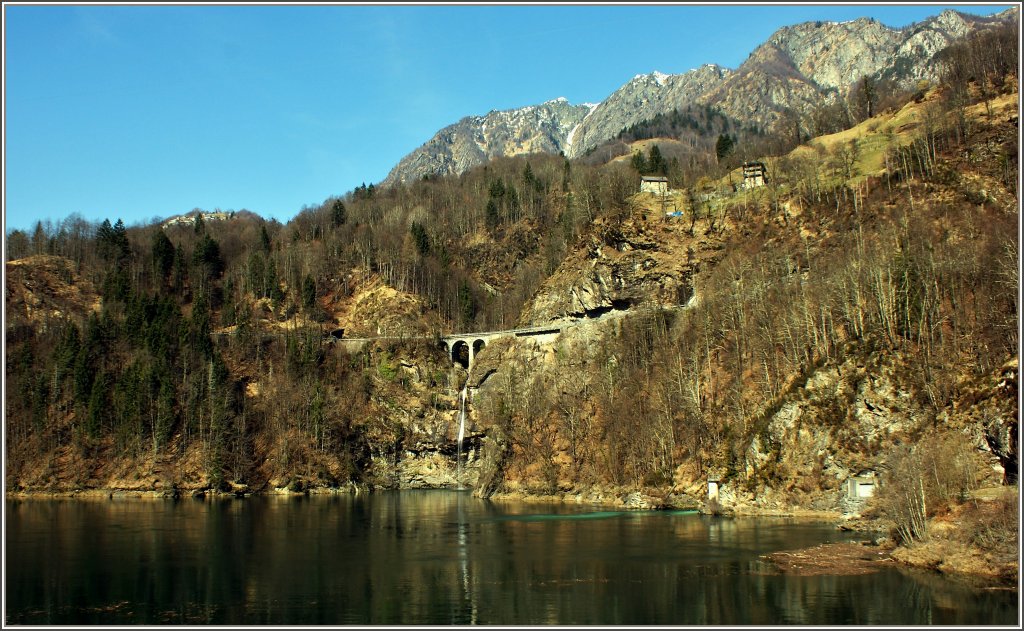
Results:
<point x="754" y="174"/>
<point x="654" y="184"/>
<point x="861" y="485"/>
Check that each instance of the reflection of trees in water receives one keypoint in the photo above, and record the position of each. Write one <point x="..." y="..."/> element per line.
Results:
<point x="442" y="558"/>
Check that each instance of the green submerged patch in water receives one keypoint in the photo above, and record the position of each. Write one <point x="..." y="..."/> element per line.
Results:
<point x="594" y="515"/>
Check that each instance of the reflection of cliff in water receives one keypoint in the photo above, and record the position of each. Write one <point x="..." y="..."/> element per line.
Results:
<point x="440" y="557"/>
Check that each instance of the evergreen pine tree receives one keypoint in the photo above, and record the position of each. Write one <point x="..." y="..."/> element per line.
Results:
<point x="639" y="163"/>
<point x="723" y="147"/>
<point x="308" y="293"/>
<point x="420" y="238"/>
<point x="339" y="215"/>
<point x="655" y="161"/>
<point x="491" y="215"/>
<point x="264" y="238"/>
<point x="163" y="254"/>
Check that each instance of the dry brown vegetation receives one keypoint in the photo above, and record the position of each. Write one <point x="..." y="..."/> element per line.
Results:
<point x="831" y="559"/>
<point x="864" y="302"/>
<point x="975" y="537"/>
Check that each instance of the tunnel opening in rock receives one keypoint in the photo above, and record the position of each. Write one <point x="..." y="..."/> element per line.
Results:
<point x="617" y="305"/>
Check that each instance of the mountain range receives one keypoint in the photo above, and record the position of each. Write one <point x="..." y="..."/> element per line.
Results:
<point x="796" y="69"/>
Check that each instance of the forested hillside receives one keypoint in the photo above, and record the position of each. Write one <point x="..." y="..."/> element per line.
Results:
<point x="858" y="313"/>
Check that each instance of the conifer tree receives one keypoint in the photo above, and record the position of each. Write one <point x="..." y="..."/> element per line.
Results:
<point x="655" y="161"/>
<point x="723" y="147"/>
<point x="639" y="163"/>
<point x="339" y="214"/>
<point x="163" y="254"/>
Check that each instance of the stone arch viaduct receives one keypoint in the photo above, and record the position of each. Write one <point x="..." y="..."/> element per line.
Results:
<point x="463" y="347"/>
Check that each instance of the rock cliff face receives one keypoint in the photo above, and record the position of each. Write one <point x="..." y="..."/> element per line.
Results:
<point x="846" y="419"/>
<point x="643" y="97"/>
<point x="798" y="67"/>
<point x="476" y="139"/>
<point x="802" y="65"/>
<point x="838" y="423"/>
<point x="763" y="87"/>
<point x="923" y="40"/>
<point x="831" y="54"/>
<point x="989" y="409"/>
<point x="630" y="264"/>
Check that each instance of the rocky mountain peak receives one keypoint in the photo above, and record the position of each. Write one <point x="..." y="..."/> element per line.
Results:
<point x="653" y="79"/>
<point x="798" y="67"/>
<point x="641" y="98"/>
<point x="474" y="140"/>
<point x="830" y="53"/>
<point x="953" y="22"/>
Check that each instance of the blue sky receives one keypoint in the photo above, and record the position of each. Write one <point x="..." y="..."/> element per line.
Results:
<point x="148" y="111"/>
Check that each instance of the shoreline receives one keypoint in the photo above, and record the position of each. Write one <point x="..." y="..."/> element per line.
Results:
<point x="598" y="498"/>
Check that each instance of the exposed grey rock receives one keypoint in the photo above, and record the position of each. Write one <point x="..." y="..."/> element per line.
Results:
<point x="474" y="140"/>
<point x="494" y="453"/>
<point x="643" y="97"/>
<point x="630" y="265"/>
<point x="637" y="501"/>
<point x="830" y="423"/>
<point x="807" y="64"/>
<point x="798" y="67"/>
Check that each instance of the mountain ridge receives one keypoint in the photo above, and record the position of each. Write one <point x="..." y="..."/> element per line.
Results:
<point x="797" y="67"/>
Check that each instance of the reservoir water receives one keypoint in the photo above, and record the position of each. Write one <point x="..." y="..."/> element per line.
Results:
<point x="440" y="558"/>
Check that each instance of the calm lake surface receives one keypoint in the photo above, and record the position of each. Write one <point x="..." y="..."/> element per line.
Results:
<point x="440" y="557"/>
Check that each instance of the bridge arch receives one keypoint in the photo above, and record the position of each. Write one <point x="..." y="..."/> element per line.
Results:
<point x="461" y="353"/>
<point x="478" y="345"/>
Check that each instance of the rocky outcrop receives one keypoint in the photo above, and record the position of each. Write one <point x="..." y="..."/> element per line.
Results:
<point x="642" y="98"/>
<point x="766" y="85"/>
<point x="798" y="68"/>
<point x="642" y="261"/>
<point x="474" y="140"/>
<point x="835" y="424"/>
<point x="430" y="466"/>
<point x="990" y="407"/>
<point x="830" y="54"/>
<point x="43" y="288"/>
<point x="924" y="39"/>
<point x="493" y="458"/>
<point x="807" y="64"/>
<point x="845" y="419"/>
<point x="378" y="309"/>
